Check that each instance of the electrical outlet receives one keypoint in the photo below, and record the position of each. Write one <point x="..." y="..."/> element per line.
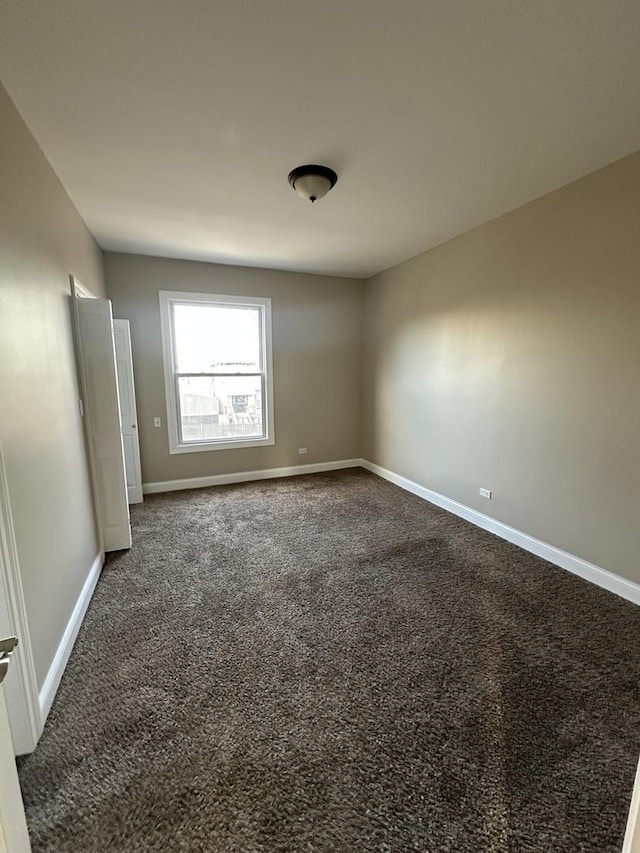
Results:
<point x="486" y="493"/>
<point x="302" y="450"/>
<point x="157" y="422"/>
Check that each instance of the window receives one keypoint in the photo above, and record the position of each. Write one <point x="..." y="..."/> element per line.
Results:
<point x="217" y="370"/>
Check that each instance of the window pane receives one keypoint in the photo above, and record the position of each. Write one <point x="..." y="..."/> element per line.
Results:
<point x="216" y="339"/>
<point x="220" y="407"/>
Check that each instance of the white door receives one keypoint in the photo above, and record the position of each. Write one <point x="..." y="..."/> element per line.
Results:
<point x="14" y="837"/>
<point x="632" y="835"/>
<point x="102" y="413"/>
<point x="128" y="415"/>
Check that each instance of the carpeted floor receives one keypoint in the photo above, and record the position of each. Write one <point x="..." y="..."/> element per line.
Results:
<point x="327" y="664"/>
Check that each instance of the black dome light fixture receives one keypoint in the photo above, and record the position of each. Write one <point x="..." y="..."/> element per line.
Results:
<point x="312" y="182"/>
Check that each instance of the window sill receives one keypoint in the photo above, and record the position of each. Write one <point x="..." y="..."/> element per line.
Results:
<point x="207" y="446"/>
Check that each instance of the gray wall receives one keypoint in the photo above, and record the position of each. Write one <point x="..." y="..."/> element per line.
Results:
<point x="317" y="346"/>
<point x="509" y="358"/>
<point x="42" y="240"/>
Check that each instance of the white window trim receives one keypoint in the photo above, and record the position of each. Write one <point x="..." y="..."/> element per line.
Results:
<point x="167" y="299"/>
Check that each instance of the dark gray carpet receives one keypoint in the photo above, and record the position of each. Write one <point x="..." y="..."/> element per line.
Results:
<point x="327" y="663"/>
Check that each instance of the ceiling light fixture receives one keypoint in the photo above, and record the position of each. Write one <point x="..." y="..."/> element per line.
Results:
<point x="312" y="182"/>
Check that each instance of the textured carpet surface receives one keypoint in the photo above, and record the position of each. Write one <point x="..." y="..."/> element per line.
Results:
<point x="327" y="663"/>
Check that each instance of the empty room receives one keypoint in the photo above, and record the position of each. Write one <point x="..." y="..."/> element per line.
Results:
<point x="319" y="426"/>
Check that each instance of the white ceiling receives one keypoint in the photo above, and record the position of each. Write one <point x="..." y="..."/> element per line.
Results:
<point x="173" y="123"/>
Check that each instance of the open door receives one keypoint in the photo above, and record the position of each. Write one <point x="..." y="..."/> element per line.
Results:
<point x="21" y="687"/>
<point x="632" y="836"/>
<point x="14" y="837"/>
<point x="128" y="414"/>
<point x="94" y="327"/>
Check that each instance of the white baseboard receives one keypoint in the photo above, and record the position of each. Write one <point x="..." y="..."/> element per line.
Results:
<point x="595" y="574"/>
<point x="56" y="670"/>
<point x="247" y="476"/>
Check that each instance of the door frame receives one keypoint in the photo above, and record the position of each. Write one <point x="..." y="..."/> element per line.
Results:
<point x="21" y="688"/>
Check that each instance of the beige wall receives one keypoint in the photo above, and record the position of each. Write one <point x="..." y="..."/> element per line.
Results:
<point x="509" y="358"/>
<point x="316" y="353"/>
<point x="42" y="240"/>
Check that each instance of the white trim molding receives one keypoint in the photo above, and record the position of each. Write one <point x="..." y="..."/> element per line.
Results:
<point x="61" y="657"/>
<point x="248" y="476"/>
<point x="595" y="574"/>
<point x="21" y="686"/>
